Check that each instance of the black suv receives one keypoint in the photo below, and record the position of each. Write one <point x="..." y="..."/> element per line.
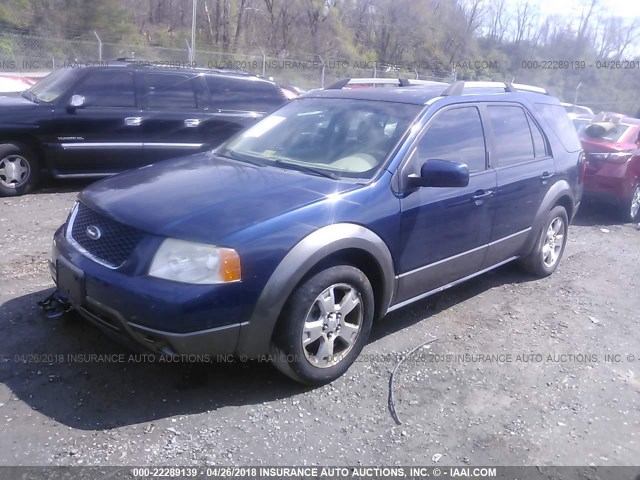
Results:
<point x="97" y="121"/>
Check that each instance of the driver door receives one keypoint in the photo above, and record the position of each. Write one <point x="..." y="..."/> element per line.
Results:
<point x="103" y="135"/>
<point x="445" y="230"/>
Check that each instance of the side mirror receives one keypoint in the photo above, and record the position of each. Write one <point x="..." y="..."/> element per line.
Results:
<point x="441" y="173"/>
<point x="77" y="101"/>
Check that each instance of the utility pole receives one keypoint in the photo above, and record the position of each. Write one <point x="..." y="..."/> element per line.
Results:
<point x="192" y="51"/>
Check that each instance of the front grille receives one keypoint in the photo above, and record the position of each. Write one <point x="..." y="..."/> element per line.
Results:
<point x="115" y="241"/>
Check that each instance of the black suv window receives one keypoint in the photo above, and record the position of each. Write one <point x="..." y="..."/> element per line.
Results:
<point x="513" y="142"/>
<point x="455" y="135"/>
<point x="246" y="94"/>
<point x="105" y="88"/>
<point x="169" y="90"/>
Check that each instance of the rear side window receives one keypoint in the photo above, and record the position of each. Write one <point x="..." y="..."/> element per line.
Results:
<point x="539" y="145"/>
<point x="455" y="135"/>
<point x="104" y="88"/>
<point x="243" y="94"/>
<point x="556" y="117"/>
<point x="513" y="142"/>
<point x="167" y="90"/>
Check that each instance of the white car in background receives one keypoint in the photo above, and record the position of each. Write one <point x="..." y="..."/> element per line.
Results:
<point x="15" y="83"/>
<point x="576" y="109"/>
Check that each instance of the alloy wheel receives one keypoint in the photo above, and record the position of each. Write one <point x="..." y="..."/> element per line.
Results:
<point x="553" y="242"/>
<point x="14" y="171"/>
<point x="332" y="325"/>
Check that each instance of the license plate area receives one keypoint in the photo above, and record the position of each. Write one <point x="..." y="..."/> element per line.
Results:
<point x="71" y="282"/>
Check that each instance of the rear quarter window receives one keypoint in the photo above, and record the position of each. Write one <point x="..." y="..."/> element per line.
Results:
<point x="556" y="117"/>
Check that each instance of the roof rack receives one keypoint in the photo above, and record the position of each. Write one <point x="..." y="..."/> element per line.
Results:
<point x="398" y="82"/>
<point x="458" y="88"/>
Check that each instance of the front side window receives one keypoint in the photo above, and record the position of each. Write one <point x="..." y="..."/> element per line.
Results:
<point x="455" y="135"/>
<point x="170" y="91"/>
<point x="343" y="137"/>
<point x="513" y="142"/>
<point x="103" y="88"/>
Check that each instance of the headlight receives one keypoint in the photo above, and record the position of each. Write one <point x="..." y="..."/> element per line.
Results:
<point x="198" y="263"/>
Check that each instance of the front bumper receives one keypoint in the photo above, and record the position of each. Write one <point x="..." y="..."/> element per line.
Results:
<point x="147" y="313"/>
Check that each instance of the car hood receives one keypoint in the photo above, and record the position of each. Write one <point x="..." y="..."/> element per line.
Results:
<point x="14" y="101"/>
<point x="204" y="197"/>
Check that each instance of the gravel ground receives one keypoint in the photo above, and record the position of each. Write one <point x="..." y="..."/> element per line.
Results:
<point x="519" y="373"/>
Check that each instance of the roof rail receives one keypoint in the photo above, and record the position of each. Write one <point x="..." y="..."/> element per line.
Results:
<point x="458" y="88"/>
<point x="398" y="82"/>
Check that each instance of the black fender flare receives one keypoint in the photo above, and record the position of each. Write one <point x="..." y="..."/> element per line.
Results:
<point x="560" y="193"/>
<point x="255" y="335"/>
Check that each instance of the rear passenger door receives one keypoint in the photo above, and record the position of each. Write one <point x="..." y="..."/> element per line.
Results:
<point x="175" y="111"/>
<point x="445" y="231"/>
<point x="524" y="166"/>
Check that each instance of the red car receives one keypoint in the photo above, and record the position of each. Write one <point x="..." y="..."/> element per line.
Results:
<point x="611" y="144"/>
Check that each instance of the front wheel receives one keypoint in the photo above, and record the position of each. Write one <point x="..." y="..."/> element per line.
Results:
<point x="631" y="210"/>
<point x="546" y="255"/>
<point x="19" y="169"/>
<point x="324" y="326"/>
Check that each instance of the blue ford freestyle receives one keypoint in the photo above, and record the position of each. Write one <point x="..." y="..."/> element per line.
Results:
<point x="291" y="239"/>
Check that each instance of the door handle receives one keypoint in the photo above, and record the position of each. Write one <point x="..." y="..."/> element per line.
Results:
<point x="480" y="194"/>
<point x="545" y="177"/>
<point x="133" y="121"/>
<point x="191" y="122"/>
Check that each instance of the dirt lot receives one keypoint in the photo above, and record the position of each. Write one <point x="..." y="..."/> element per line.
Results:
<point x="551" y="397"/>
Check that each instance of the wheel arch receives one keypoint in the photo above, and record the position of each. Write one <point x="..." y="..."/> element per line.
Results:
<point x="27" y="139"/>
<point x="344" y="243"/>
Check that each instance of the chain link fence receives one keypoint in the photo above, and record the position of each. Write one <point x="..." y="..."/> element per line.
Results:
<point x="31" y="55"/>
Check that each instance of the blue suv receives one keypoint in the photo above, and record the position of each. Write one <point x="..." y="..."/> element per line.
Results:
<point x="291" y="239"/>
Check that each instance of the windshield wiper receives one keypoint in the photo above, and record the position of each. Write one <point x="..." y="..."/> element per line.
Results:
<point x="308" y="169"/>
<point x="241" y="158"/>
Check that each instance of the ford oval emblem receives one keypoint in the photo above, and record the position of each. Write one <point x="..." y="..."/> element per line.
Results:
<point x="93" y="232"/>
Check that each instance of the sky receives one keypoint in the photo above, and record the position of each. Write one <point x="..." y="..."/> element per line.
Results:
<point x="627" y="8"/>
<point x="573" y="9"/>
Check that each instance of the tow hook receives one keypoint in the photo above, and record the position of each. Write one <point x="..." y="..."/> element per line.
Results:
<point x="55" y="306"/>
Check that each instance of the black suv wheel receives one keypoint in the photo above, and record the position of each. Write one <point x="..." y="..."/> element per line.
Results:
<point x="19" y="169"/>
<point x="324" y="326"/>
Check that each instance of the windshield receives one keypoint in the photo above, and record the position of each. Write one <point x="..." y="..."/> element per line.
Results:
<point x="342" y="137"/>
<point x="53" y="85"/>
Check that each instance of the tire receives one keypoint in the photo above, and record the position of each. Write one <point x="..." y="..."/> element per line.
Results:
<point x="545" y="257"/>
<point x="19" y="169"/>
<point x="324" y="326"/>
<point x="631" y="210"/>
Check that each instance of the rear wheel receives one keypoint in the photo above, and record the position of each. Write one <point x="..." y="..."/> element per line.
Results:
<point x="324" y="326"/>
<point x="631" y="210"/>
<point x="19" y="169"/>
<point x="546" y="255"/>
